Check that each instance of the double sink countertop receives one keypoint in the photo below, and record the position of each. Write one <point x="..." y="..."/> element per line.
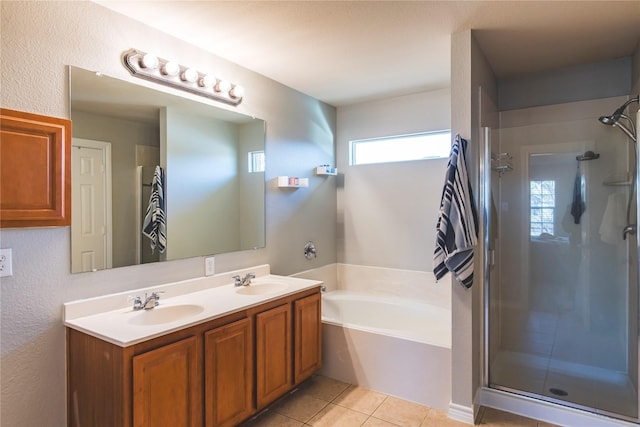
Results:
<point x="181" y="304"/>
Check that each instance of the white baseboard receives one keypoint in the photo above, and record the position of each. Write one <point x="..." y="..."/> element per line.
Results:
<point x="464" y="414"/>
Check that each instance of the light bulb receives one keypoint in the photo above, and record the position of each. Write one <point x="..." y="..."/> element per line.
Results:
<point x="190" y="75"/>
<point x="149" y="60"/>
<point x="237" y="91"/>
<point x="223" y="86"/>
<point x="171" y="68"/>
<point x="207" y="81"/>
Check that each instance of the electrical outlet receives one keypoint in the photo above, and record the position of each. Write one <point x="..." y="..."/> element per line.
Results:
<point x="209" y="266"/>
<point x="6" y="268"/>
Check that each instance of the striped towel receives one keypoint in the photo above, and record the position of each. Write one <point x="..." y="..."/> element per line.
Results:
<point x="456" y="233"/>
<point x="155" y="221"/>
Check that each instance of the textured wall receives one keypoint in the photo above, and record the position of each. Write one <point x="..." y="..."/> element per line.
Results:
<point x="38" y="41"/>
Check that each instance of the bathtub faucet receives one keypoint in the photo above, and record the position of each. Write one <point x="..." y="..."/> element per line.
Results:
<point x="245" y="281"/>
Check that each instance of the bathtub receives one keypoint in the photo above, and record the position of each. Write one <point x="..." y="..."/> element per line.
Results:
<point x="393" y="345"/>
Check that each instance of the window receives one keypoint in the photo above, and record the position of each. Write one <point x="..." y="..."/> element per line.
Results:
<point x="429" y="145"/>
<point x="543" y="204"/>
<point x="256" y="161"/>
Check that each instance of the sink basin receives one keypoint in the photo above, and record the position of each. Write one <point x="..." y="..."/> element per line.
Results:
<point x="165" y="314"/>
<point x="262" y="288"/>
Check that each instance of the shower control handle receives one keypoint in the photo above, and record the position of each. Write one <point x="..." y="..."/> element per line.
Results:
<point x="629" y="229"/>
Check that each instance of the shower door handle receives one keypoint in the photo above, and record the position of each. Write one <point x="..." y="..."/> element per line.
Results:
<point x="492" y="257"/>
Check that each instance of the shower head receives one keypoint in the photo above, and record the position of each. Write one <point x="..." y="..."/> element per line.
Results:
<point x="614" y="119"/>
<point x="607" y="120"/>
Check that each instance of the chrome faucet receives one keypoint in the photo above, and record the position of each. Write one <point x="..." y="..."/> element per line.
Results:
<point x="629" y="229"/>
<point x="149" y="301"/>
<point x="245" y="281"/>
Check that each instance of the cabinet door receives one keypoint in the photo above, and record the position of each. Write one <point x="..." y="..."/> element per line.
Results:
<point x="229" y="374"/>
<point x="167" y="386"/>
<point x="35" y="174"/>
<point x="273" y="354"/>
<point x="308" y="337"/>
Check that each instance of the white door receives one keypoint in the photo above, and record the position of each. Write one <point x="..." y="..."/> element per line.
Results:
<point x="91" y="206"/>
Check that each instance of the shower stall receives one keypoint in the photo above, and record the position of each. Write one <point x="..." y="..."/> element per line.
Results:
<point x="559" y="248"/>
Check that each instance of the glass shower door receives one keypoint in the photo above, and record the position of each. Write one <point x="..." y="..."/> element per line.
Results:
<point x="562" y="293"/>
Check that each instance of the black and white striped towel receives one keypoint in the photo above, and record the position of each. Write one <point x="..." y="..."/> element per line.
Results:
<point x="456" y="233"/>
<point x="155" y="222"/>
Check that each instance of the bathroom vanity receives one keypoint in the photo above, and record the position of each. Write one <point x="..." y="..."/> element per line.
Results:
<point x="213" y="357"/>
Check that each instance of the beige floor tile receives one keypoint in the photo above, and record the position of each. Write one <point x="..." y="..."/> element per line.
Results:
<point x="272" y="419"/>
<point x="357" y="406"/>
<point x="299" y="406"/>
<point x="337" y="416"/>
<point x="493" y="417"/>
<point x="401" y="412"/>
<point x="437" y="418"/>
<point x="324" y="388"/>
<point x="360" y="399"/>
<point x="375" y="422"/>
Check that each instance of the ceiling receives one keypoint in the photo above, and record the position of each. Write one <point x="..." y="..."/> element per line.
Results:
<point x="345" y="52"/>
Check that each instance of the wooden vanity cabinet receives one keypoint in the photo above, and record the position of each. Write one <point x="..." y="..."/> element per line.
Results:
<point x="273" y="354"/>
<point x="35" y="170"/>
<point x="166" y="386"/>
<point x="308" y="336"/>
<point x="228" y="355"/>
<point x="288" y="346"/>
<point x="215" y="374"/>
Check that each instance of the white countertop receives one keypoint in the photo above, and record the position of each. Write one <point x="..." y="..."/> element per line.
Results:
<point x="112" y="318"/>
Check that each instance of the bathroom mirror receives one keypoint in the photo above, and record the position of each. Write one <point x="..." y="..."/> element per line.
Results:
<point x="213" y="163"/>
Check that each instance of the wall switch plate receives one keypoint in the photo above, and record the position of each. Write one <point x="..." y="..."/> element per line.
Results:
<point x="209" y="266"/>
<point x="6" y="268"/>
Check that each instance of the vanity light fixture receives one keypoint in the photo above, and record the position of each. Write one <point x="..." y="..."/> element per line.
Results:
<point x="149" y="60"/>
<point x="150" y="67"/>
<point x="237" y="91"/>
<point x="190" y="75"/>
<point x="170" y="69"/>
<point x="223" y="86"/>
<point x="207" y="81"/>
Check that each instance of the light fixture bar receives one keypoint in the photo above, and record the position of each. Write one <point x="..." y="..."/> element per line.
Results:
<point x="150" y="67"/>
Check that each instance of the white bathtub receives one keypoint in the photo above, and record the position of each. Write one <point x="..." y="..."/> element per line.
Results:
<point x="393" y="345"/>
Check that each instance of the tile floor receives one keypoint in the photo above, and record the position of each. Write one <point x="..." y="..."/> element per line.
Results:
<point x="325" y="402"/>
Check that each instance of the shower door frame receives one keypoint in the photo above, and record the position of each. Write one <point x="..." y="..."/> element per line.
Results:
<point x="528" y="404"/>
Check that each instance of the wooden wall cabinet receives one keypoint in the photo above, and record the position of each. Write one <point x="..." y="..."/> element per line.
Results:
<point x="35" y="170"/>
<point x="216" y="374"/>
